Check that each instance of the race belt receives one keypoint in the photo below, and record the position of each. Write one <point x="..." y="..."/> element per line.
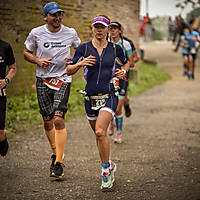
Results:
<point x="99" y="101"/>
<point x="54" y="83"/>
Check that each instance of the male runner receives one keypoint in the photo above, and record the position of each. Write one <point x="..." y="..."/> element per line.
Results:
<point x="52" y="43"/>
<point x="6" y="59"/>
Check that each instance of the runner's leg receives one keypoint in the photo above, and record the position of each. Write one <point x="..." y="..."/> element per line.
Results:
<point x="60" y="138"/>
<point x="50" y="133"/>
<point x="119" y="121"/>
<point x="3" y="139"/>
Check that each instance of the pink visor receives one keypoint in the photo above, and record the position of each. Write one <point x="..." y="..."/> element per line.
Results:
<point x="101" y="20"/>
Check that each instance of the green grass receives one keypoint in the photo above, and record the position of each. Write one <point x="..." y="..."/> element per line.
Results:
<point x="150" y="76"/>
<point x="23" y="111"/>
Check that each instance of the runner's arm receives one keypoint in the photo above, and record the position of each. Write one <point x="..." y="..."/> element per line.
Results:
<point x="10" y="75"/>
<point x="131" y="61"/>
<point x="42" y="62"/>
<point x="89" y="61"/>
<point x="135" y="57"/>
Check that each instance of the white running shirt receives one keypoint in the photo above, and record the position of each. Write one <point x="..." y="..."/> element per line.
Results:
<point x="52" y="45"/>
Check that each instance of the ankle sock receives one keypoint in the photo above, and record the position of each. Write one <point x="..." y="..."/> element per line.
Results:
<point x="105" y="167"/>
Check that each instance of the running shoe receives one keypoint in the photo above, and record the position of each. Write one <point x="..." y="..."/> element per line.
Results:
<point x="118" y="138"/>
<point x="58" y="170"/>
<point x="127" y="110"/>
<point x="53" y="158"/>
<point x="4" y="147"/>
<point x="108" y="178"/>
<point x="111" y="129"/>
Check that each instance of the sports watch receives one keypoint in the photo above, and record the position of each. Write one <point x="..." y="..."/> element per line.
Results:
<point x="7" y="80"/>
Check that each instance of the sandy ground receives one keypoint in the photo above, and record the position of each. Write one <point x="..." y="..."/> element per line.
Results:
<point x="159" y="158"/>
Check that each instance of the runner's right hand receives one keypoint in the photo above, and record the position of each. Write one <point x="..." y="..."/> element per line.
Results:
<point x="44" y="62"/>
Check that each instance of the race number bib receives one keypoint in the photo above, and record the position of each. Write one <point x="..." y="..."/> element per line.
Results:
<point x="53" y="83"/>
<point x="98" y="102"/>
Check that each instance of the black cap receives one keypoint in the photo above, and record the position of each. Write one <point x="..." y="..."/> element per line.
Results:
<point x="117" y="24"/>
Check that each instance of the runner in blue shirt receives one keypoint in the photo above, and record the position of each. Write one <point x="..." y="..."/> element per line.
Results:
<point x="192" y="37"/>
<point x="189" y="50"/>
<point x="102" y="61"/>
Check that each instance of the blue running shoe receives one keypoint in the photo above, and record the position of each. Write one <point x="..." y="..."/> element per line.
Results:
<point x="108" y="178"/>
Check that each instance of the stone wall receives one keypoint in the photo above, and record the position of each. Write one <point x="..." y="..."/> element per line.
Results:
<point x="18" y="17"/>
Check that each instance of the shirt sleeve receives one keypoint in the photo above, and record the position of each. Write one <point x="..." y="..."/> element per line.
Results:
<point x="129" y="49"/>
<point x="78" y="55"/>
<point x="76" y="41"/>
<point x="30" y="42"/>
<point x="10" y="56"/>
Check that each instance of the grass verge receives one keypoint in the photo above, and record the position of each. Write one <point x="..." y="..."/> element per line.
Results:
<point x="150" y="76"/>
<point x="23" y="111"/>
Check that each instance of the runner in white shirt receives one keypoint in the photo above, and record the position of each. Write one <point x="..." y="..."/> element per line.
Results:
<point x="52" y="43"/>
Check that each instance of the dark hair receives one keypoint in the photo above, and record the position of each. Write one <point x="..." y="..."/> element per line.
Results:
<point x="119" y="26"/>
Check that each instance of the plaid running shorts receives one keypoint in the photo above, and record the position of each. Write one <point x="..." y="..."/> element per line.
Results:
<point x="52" y="102"/>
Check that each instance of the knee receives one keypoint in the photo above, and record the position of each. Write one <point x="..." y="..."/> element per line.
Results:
<point x="48" y="125"/>
<point x="59" y="123"/>
<point x="100" y="133"/>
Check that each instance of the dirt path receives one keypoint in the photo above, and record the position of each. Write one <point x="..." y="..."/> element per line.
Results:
<point x="158" y="160"/>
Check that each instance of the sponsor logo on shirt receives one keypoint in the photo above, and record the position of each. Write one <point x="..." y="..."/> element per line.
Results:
<point x="54" y="44"/>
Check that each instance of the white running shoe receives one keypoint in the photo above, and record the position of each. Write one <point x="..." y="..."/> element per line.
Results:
<point x="118" y="138"/>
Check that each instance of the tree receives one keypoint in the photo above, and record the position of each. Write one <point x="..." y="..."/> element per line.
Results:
<point x="195" y="12"/>
<point x="183" y="3"/>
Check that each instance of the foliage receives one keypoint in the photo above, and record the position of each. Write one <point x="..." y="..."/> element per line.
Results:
<point x="161" y="27"/>
<point x="150" y="75"/>
<point x="158" y="35"/>
<point x="183" y="3"/>
<point x="195" y="12"/>
<point x="23" y="111"/>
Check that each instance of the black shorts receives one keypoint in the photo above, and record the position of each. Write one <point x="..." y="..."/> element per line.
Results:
<point x="185" y="54"/>
<point x="194" y="55"/>
<point x="52" y="102"/>
<point x="111" y="106"/>
<point x="2" y="112"/>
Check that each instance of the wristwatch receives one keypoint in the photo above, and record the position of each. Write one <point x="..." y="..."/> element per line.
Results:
<point x="7" y="80"/>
